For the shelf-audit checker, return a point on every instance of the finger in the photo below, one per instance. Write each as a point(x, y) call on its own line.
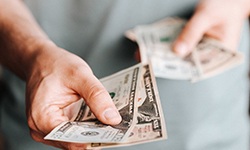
point(137, 55)
point(62, 145)
point(44, 117)
point(97, 98)
point(39, 138)
point(191, 34)
point(49, 110)
point(228, 36)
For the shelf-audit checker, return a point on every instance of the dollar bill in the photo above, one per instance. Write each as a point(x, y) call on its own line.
point(135, 94)
point(150, 125)
point(155, 45)
point(150, 120)
point(211, 58)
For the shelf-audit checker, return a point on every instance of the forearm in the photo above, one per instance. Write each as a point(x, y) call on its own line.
point(21, 38)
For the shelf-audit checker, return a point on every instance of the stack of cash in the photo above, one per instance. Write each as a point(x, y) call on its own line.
point(207, 59)
point(135, 95)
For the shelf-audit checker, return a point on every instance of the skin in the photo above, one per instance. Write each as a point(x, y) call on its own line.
point(219, 19)
point(29, 53)
point(46, 68)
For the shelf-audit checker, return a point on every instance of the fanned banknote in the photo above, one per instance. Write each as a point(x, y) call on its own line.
point(211, 58)
point(155, 45)
point(135, 94)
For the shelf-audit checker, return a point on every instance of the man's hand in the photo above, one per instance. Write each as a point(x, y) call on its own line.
point(219, 19)
point(58, 79)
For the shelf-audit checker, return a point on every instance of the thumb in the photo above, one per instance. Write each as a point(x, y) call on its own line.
point(98, 99)
point(191, 34)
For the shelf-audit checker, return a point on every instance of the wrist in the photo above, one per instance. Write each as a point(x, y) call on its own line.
point(39, 58)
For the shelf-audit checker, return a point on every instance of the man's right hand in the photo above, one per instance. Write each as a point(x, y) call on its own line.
point(57, 80)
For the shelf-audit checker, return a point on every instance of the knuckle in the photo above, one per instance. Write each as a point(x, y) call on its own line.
point(80, 70)
point(31, 123)
point(34, 136)
point(95, 92)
